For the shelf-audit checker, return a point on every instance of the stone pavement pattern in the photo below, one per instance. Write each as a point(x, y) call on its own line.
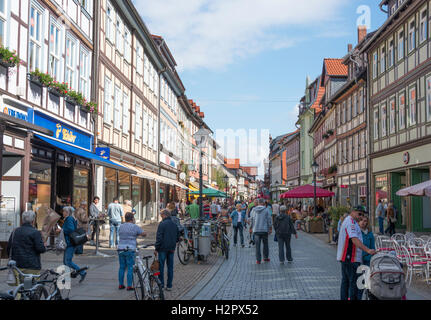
point(314, 274)
point(101, 282)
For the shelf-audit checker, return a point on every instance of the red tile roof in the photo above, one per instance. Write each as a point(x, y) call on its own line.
point(335, 67)
point(317, 103)
point(232, 163)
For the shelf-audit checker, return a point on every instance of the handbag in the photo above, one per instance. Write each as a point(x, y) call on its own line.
point(78, 237)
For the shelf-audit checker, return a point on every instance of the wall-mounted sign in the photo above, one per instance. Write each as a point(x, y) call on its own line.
point(164, 158)
point(105, 153)
point(63, 132)
point(406, 158)
point(15, 113)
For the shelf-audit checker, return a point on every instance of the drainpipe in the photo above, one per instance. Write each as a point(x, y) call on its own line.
point(367, 99)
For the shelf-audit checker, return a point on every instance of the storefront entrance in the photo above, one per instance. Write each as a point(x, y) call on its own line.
point(421, 211)
point(398, 182)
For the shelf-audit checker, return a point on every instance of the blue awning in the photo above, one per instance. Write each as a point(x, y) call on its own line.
point(83, 153)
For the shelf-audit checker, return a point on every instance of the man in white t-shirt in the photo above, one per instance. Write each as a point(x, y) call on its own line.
point(275, 208)
point(349, 253)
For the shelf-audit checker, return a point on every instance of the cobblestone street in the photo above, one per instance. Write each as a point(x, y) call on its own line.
point(313, 275)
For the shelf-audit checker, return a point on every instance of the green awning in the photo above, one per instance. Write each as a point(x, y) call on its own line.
point(211, 193)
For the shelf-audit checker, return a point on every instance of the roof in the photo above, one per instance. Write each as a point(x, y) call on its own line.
point(335, 67)
point(316, 104)
point(232, 163)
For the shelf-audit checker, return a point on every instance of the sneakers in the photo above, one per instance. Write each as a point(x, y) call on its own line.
point(257, 262)
point(82, 277)
point(289, 261)
point(168, 289)
point(130, 288)
point(121, 287)
point(267, 260)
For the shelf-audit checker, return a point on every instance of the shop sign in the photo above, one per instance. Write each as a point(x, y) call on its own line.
point(63, 132)
point(164, 158)
point(104, 153)
point(406, 158)
point(15, 113)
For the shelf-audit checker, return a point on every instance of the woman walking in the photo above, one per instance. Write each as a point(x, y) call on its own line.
point(368, 241)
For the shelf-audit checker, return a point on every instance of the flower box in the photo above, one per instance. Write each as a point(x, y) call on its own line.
point(35, 79)
point(7, 64)
point(55, 91)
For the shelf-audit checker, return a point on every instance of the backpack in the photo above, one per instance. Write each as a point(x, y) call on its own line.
point(387, 279)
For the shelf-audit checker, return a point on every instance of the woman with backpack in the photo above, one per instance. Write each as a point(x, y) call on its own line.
point(70, 225)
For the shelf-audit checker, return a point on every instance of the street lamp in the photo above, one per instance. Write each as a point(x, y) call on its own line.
point(314, 168)
point(201, 137)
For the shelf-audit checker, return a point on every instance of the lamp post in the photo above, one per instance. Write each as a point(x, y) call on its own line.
point(315, 167)
point(201, 137)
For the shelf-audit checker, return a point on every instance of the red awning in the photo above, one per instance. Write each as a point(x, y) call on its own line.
point(306, 191)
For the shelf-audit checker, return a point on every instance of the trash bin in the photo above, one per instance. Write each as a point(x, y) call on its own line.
point(204, 245)
point(206, 229)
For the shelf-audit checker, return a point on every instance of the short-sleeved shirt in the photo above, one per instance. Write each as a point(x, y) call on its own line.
point(347, 251)
point(128, 233)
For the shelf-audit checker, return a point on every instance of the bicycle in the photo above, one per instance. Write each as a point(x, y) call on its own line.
point(222, 239)
point(146, 282)
point(186, 246)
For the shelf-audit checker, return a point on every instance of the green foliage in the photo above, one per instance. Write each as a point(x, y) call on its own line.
point(336, 213)
point(220, 180)
point(60, 87)
point(44, 78)
point(77, 97)
point(9, 56)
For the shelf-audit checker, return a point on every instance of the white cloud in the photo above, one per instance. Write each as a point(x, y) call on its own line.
point(212, 34)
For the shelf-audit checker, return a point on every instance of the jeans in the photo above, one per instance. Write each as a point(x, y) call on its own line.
point(235, 234)
point(284, 241)
point(168, 257)
point(67, 259)
point(114, 226)
point(259, 237)
point(390, 228)
point(381, 219)
point(349, 288)
point(127, 260)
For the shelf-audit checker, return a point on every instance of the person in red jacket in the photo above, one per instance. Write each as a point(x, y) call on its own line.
point(207, 210)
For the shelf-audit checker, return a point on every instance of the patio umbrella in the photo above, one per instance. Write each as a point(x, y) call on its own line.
point(209, 192)
point(421, 189)
point(306, 191)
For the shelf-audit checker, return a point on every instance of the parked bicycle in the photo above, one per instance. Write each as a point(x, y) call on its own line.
point(222, 239)
point(187, 246)
point(145, 281)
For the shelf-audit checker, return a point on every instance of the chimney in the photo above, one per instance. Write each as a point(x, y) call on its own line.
point(349, 48)
point(362, 33)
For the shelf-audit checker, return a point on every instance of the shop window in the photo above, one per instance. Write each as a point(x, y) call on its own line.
point(80, 188)
point(381, 188)
point(110, 185)
point(40, 190)
point(124, 181)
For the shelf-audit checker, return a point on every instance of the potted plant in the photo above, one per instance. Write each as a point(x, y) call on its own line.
point(76, 98)
point(91, 107)
point(8, 59)
point(40, 78)
point(59, 89)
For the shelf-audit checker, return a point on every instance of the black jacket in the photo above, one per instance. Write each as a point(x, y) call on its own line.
point(27, 245)
point(167, 235)
point(283, 225)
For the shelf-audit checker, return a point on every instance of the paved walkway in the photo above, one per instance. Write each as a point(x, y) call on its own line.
point(314, 275)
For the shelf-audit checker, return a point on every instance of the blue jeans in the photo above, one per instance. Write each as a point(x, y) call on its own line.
point(67, 259)
point(127, 260)
point(349, 288)
point(168, 257)
point(241, 234)
point(114, 226)
point(381, 219)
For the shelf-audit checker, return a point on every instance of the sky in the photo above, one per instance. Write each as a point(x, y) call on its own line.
point(245, 62)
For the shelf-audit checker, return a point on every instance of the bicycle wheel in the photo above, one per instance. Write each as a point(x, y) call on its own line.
point(138, 284)
point(225, 249)
point(39, 294)
point(213, 246)
point(156, 289)
point(183, 252)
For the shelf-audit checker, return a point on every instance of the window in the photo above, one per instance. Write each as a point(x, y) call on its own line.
point(109, 21)
point(119, 35)
point(338, 111)
point(401, 45)
point(376, 124)
point(3, 18)
point(117, 108)
point(138, 121)
point(138, 57)
point(54, 51)
point(402, 112)
point(392, 116)
point(344, 112)
point(35, 41)
point(340, 151)
point(383, 60)
point(107, 112)
point(150, 74)
point(126, 122)
point(150, 131)
point(355, 105)
point(83, 118)
point(145, 128)
point(146, 70)
point(70, 62)
point(361, 100)
point(412, 36)
point(86, 4)
point(84, 73)
point(423, 27)
point(127, 45)
point(428, 101)
point(375, 59)
point(391, 56)
point(155, 135)
point(412, 107)
point(349, 109)
point(383, 119)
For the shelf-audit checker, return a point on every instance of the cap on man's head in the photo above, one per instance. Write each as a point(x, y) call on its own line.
point(360, 209)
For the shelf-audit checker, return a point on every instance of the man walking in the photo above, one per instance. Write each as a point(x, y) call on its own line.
point(283, 226)
point(238, 222)
point(166, 240)
point(380, 215)
point(94, 215)
point(349, 253)
point(193, 210)
point(275, 208)
point(115, 214)
point(261, 224)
